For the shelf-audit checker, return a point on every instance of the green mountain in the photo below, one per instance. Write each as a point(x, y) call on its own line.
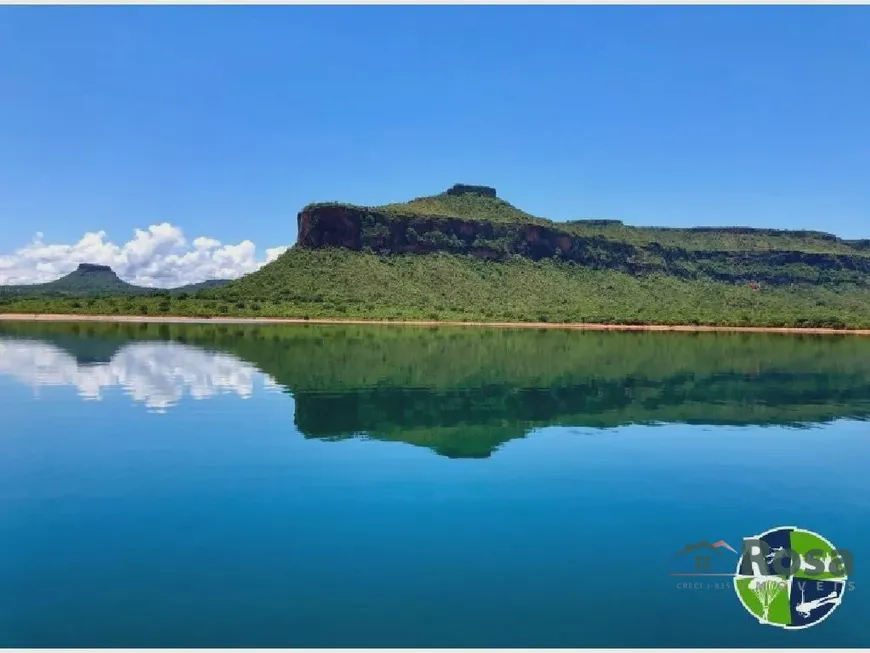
point(202, 285)
point(467, 254)
point(474, 220)
point(463, 201)
point(89, 280)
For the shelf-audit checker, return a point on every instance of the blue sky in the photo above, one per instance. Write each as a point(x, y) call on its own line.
point(225, 121)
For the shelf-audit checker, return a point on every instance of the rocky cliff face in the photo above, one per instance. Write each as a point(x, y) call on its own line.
point(393, 233)
point(357, 228)
point(330, 226)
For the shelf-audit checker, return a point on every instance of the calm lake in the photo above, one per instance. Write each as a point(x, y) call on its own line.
point(210, 485)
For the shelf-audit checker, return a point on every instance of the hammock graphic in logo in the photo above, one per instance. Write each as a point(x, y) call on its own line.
point(791, 578)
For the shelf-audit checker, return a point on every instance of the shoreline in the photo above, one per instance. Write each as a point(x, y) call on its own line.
point(577, 326)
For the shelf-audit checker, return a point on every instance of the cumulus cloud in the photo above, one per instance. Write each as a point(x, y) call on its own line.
point(159, 256)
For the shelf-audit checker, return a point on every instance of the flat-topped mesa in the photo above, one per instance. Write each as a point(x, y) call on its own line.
point(463, 212)
point(93, 267)
point(468, 189)
point(473, 221)
point(596, 222)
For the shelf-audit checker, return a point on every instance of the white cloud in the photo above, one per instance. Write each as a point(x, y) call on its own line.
point(159, 256)
point(274, 252)
point(206, 243)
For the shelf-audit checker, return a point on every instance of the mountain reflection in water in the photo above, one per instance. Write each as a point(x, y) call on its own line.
point(461, 392)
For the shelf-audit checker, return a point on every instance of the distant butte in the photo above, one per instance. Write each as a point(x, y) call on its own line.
point(93, 267)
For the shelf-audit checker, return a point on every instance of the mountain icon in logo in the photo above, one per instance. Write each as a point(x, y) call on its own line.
point(704, 544)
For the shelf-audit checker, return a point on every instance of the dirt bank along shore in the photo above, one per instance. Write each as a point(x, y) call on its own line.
point(49, 317)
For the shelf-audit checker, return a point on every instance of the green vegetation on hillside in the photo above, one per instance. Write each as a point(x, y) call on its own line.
point(468, 206)
point(340, 283)
point(87, 280)
point(733, 239)
point(472, 206)
point(466, 254)
point(90, 280)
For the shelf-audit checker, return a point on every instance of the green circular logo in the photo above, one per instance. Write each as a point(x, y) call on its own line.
point(791, 578)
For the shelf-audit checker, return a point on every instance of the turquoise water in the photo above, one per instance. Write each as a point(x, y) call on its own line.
point(329, 486)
